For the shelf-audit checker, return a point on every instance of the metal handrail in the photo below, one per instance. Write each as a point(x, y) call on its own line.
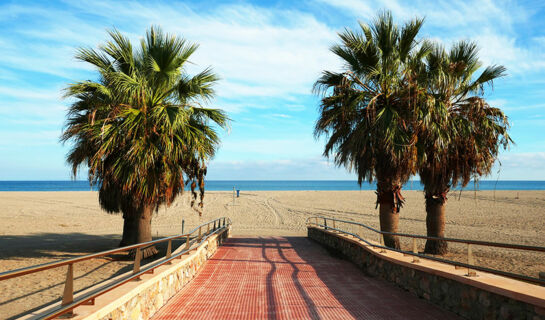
point(470, 265)
point(69, 303)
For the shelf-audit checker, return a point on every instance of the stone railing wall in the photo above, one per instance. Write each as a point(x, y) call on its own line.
point(450, 291)
point(141, 299)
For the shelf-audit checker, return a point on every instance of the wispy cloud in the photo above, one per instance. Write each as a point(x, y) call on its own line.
point(280, 115)
point(520, 166)
point(29, 139)
point(258, 52)
point(281, 169)
point(252, 148)
point(31, 94)
point(495, 27)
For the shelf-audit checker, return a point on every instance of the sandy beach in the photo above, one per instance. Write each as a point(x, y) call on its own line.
point(40, 227)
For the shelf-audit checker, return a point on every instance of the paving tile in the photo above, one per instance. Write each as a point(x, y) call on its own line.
point(289, 278)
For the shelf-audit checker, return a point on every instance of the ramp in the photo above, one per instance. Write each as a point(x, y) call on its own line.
point(290, 278)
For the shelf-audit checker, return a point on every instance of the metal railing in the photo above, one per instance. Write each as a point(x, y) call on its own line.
point(470, 265)
point(195, 236)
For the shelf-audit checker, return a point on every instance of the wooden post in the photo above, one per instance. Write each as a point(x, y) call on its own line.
point(415, 250)
point(187, 243)
point(169, 249)
point(208, 228)
point(137, 257)
point(68, 294)
point(199, 238)
point(470, 261)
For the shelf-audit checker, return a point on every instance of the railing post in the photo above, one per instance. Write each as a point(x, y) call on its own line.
point(325, 223)
point(187, 243)
point(415, 250)
point(470, 261)
point(137, 257)
point(199, 238)
point(334, 225)
point(224, 221)
point(169, 249)
point(208, 229)
point(215, 225)
point(68, 294)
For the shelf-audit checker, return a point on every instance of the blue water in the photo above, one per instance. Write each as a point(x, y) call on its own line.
point(249, 185)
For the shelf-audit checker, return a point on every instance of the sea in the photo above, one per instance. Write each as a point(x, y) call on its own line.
point(273, 185)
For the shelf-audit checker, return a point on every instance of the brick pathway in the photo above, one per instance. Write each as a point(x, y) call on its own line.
point(289, 278)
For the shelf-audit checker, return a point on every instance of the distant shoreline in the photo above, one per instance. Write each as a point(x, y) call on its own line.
point(275, 185)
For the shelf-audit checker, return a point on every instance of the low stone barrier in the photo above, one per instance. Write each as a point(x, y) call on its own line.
point(141, 299)
point(486, 296)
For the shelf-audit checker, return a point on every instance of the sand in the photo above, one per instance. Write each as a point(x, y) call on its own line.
point(39, 227)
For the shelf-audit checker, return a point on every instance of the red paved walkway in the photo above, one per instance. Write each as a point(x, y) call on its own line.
point(289, 278)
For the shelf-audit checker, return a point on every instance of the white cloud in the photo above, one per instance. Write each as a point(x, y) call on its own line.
point(444, 13)
point(28, 139)
point(33, 94)
point(520, 166)
point(39, 107)
point(510, 107)
point(282, 169)
point(361, 9)
point(514, 166)
point(296, 107)
point(532, 160)
point(303, 146)
point(280, 115)
point(257, 52)
point(490, 23)
point(498, 103)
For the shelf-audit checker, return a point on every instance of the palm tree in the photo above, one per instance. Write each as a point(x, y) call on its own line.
point(368, 111)
point(462, 133)
point(142, 128)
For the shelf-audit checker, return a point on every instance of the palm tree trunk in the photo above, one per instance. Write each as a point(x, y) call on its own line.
point(137, 228)
point(129, 236)
point(389, 221)
point(390, 200)
point(435, 223)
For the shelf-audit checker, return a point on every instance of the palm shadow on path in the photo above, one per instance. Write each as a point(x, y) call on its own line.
point(327, 285)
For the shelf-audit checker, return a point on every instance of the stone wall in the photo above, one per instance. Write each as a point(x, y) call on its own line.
point(148, 297)
point(465, 300)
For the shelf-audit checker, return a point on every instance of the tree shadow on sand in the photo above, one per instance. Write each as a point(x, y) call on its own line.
point(53, 247)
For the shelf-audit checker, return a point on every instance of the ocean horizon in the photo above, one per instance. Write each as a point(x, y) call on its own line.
point(273, 185)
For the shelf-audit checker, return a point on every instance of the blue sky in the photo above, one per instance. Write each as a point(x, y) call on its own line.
point(268, 55)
